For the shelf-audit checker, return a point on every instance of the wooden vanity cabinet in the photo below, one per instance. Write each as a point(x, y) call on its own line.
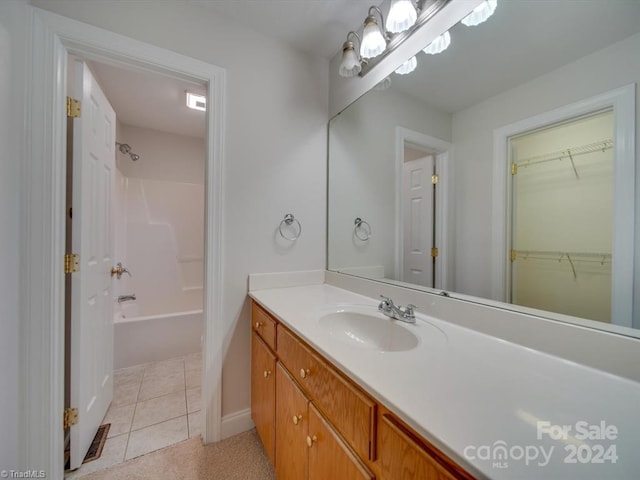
point(323, 425)
point(264, 325)
point(350, 411)
point(291, 428)
point(405, 455)
point(263, 393)
point(307, 446)
point(329, 457)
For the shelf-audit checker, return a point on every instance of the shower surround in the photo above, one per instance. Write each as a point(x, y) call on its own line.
point(159, 230)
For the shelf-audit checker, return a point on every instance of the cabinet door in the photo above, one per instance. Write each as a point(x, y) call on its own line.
point(263, 393)
point(291, 428)
point(401, 458)
point(350, 411)
point(329, 457)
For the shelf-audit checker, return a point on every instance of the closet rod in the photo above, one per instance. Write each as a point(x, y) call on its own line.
point(592, 257)
point(600, 146)
point(587, 257)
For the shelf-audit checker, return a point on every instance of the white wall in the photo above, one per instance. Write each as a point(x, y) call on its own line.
point(163, 156)
point(362, 174)
point(12, 71)
point(602, 71)
point(275, 148)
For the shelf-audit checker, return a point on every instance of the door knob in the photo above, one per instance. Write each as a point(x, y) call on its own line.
point(119, 270)
point(297, 419)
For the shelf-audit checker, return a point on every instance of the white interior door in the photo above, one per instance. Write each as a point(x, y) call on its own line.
point(92, 238)
point(417, 198)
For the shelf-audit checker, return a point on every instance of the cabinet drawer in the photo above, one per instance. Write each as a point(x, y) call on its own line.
point(264, 325)
point(350, 411)
point(403, 458)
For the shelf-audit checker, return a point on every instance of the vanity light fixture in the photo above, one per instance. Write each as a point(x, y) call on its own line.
point(440, 44)
point(481, 13)
point(407, 67)
point(350, 66)
point(402, 15)
point(404, 18)
point(373, 41)
point(196, 102)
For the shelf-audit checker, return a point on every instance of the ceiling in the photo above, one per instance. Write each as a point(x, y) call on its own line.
point(154, 101)
point(150, 100)
point(524, 39)
point(316, 27)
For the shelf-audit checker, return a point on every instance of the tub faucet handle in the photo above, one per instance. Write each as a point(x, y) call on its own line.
point(119, 270)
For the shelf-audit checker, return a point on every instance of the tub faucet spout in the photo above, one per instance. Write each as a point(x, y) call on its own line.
point(126, 298)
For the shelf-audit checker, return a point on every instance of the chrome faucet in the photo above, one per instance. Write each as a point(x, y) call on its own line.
point(397, 312)
point(126, 298)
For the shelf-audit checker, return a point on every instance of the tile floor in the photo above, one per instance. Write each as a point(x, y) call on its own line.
point(154, 405)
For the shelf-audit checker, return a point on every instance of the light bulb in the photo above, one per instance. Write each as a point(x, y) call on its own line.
point(407, 67)
point(440, 44)
point(373, 43)
point(350, 65)
point(481, 13)
point(402, 15)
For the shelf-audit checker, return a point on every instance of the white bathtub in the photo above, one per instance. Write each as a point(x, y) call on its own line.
point(143, 339)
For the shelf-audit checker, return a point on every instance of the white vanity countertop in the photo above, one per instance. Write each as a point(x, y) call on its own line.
point(479, 398)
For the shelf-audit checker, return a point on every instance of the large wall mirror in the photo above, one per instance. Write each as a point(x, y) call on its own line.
point(504, 168)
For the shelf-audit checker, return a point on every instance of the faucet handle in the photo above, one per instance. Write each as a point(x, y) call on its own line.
point(385, 304)
point(408, 310)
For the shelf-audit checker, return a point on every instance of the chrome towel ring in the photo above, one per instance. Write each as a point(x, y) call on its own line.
point(362, 229)
point(289, 220)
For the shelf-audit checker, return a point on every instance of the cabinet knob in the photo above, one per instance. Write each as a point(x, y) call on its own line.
point(297, 419)
point(311, 440)
point(267, 373)
point(258, 324)
point(304, 372)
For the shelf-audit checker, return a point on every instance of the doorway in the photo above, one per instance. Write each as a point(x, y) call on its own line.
point(153, 195)
point(562, 217)
point(53, 38)
point(621, 104)
point(423, 205)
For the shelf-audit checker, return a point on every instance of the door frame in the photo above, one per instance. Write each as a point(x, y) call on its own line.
point(52, 38)
point(622, 101)
point(444, 202)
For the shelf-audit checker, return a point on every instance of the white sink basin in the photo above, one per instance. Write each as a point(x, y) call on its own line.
point(369, 330)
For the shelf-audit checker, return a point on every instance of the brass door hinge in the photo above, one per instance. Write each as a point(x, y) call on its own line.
point(434, 178)
point(73, 108)
point(514, 169)
point(434, 252)
point(513, 255)
point(69, 417)
point(71, 262)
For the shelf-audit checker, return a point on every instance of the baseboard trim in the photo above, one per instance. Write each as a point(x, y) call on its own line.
point(235, 423)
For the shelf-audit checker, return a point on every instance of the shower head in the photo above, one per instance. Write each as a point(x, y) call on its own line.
point(126, 148)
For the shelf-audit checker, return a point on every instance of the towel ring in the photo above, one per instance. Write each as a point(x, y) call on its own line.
point(362, 229)
point(289, 219)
